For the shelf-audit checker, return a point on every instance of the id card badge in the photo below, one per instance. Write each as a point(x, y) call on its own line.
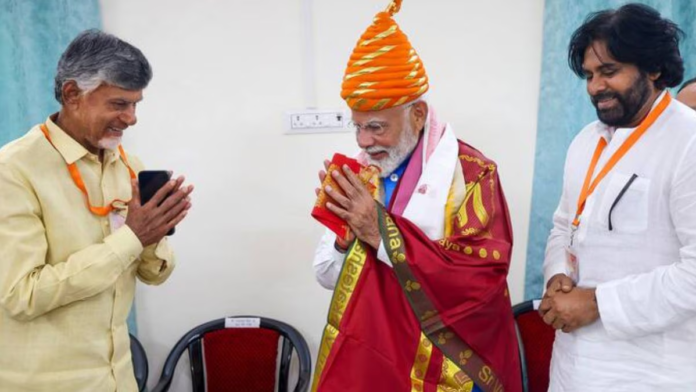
point(116, 220)
point(117, 216)
point(572, 264)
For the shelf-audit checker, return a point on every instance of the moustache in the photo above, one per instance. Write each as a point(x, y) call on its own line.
point(375, 150)
point(602, 96)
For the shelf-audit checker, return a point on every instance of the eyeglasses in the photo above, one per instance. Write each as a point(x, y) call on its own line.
point(374, 128)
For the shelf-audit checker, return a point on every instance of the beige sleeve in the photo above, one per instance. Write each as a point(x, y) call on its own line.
point(29, 286)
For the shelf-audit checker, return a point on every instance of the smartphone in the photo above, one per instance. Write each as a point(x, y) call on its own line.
point(150, 181)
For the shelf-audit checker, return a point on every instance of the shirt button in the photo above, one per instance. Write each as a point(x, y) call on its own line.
point(132, 258)
point(394, 177)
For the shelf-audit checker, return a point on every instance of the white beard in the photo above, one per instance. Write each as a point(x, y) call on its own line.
point(109, 143)
point(397, 154)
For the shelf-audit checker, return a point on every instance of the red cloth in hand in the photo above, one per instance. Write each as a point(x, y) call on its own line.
point(323, 214)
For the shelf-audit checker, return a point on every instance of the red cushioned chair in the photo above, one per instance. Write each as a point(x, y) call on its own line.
point(240, 354)
point(535, 340)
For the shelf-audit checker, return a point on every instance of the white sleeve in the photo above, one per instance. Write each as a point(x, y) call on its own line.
point(382, 254)
point(555, 258)
point(653, 302)
point(328, 261)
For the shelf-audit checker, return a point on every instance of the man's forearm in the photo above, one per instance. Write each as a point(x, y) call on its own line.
point(31, 288)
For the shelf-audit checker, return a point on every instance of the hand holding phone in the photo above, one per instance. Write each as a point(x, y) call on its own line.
point(157, 206)
point(150, 181)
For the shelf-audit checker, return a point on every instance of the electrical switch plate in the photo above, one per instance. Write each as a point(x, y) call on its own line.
point(315, 121)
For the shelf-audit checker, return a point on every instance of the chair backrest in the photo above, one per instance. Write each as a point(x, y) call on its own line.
point(140, 365)
point(240, 354)
point(241, 359)
point(535, 340)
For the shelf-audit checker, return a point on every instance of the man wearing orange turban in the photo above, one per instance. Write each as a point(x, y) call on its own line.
point(421, 301)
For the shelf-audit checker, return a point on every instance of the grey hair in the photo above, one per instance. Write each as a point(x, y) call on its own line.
point(95, 57)
point(423, 98)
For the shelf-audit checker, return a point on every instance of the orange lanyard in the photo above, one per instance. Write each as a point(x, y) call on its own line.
point(77, 178)
point(589, 186)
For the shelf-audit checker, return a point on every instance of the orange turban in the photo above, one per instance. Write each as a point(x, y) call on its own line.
point(384, 70)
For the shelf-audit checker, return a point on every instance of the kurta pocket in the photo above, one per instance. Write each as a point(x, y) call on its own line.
point(625, 204)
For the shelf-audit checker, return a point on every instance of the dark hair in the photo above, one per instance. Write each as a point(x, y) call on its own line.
point(688, 82)
point(634, 34)
point(95, 57)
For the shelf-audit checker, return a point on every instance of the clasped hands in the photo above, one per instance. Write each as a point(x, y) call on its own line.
point(357, 207)
point(567, 307)
point(151, 221)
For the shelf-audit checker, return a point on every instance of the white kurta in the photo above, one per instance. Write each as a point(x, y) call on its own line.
point(644, 269)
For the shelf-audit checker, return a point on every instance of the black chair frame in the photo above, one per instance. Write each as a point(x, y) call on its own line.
point(192, 342)
point(141, 369)
point(517, 310)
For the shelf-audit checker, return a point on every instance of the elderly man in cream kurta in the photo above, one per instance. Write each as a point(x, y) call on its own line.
point(73, 234)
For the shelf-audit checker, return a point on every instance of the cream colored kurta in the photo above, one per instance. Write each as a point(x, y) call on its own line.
point(67, 279)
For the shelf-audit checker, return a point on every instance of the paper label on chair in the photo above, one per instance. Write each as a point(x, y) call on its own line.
point(242, 322)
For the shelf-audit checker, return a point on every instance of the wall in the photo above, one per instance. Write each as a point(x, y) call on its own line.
point(226, 71)
point(30, 46)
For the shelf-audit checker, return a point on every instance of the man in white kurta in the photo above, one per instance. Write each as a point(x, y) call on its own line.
point(629, 324)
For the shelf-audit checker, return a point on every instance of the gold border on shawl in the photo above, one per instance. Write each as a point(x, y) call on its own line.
point(455, 199)
point(350, 273)
point(474, 190)
point(421, 363)
point(479, 208)
point(327, 341)
point(451, 346)
point(425, 347)
point(452, 379)
point(345, 286)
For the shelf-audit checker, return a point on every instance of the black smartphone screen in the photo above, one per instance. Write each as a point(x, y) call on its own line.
point(150, 181)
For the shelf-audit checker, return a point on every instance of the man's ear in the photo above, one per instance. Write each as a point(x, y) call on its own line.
point(419, 113)
point(70, 93)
